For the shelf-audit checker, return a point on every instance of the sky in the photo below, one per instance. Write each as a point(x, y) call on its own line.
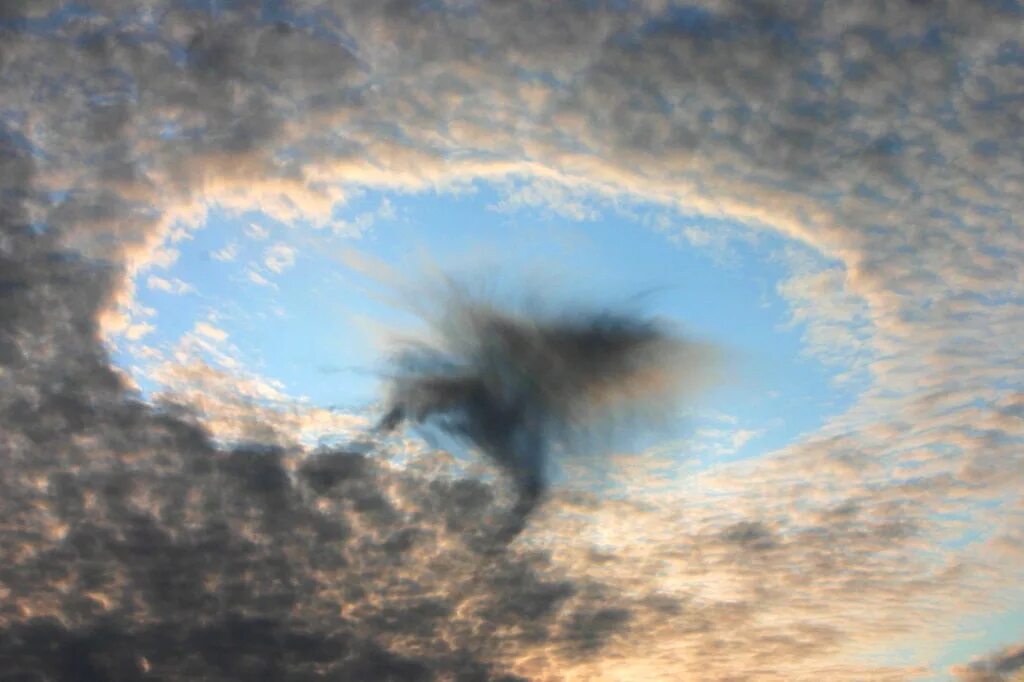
point(222, 222)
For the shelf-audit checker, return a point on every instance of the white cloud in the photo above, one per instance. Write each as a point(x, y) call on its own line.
point(134, 332)
point(722, 442)
point(386, 210)
point(170, 285)
point(254, 276)
point(163, 257)
point(226, 254)
point(544, 195)
point(211, 332)
point(257, 232)
point(279, 258)
point(364, 222)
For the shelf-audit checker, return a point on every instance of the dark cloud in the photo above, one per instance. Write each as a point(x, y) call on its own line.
point(153, 553)
point(135, 547)
point(235, 648)
point(751, 535)
point(999, 666)
point(589, 629)
point(518, 386)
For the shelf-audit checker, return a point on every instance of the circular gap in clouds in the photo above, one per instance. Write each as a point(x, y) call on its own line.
point(298, 309)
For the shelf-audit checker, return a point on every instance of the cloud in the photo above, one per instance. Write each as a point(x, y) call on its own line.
point(134, 332)
point(236, 405)
point(210, 331)
point(278, 258)
point(884, 139)
point(226, 254)
point(200, 568)
point(999, 666)
point(719, 442)
point(362, 223)
point(518, 386)
point(142, 548)
point(170, 286)
point(257, 232)
point(255, 277)
point(567, 202)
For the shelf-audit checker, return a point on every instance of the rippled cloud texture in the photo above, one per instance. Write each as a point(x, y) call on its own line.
point(886, 136)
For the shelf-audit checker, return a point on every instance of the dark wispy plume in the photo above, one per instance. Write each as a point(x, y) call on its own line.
point(520, 385)
point(1003, 665)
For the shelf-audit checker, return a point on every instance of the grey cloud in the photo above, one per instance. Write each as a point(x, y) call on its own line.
point(135, 547)
point(589, 629)
point(326, 470)
point(518, 386)
point(752, 535)
point(235, 648)
point(998, 666)
point(163, 555)
point(890, 129)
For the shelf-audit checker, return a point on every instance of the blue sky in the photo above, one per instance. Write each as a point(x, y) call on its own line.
point(307, 326)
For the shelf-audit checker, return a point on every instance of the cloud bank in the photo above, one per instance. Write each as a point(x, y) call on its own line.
point(884, 137)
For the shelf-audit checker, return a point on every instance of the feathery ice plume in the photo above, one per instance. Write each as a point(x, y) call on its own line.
point(519, 386)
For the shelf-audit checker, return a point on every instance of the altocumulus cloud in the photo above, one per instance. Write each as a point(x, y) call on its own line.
point(884, 136)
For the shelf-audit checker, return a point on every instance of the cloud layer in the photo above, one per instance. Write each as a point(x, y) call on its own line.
point(883, 137)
